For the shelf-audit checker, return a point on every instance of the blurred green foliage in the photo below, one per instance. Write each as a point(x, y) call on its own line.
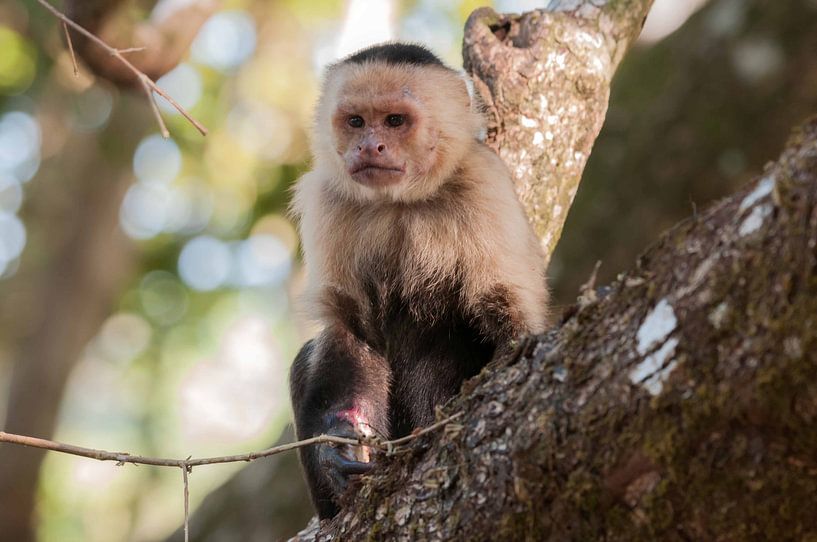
point(192, 357)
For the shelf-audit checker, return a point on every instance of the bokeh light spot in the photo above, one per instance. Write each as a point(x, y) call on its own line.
point(183, 83)
point(204, 263)
point(12, 237)
point(163, 297)
point(225, 41)
point(262, 260)
point(145, 209)
point(17, 62)
point(157, 159)
point(92, 109)
point(261, 130)
point(123, 337)
point(19, 145)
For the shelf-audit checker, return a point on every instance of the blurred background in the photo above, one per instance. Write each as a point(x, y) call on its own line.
point(148, 285)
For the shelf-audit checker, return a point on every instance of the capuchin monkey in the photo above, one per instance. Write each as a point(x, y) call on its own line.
point(420, 261)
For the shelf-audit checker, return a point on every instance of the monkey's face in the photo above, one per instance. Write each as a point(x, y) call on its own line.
point(395, 132)
point(380, 138)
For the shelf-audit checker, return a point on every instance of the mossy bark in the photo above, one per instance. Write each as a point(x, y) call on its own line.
point(679, 403)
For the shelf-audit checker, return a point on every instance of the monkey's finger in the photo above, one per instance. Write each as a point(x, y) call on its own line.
point(349, 467)
point(336, 458)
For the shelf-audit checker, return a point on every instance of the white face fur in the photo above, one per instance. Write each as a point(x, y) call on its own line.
point(397, 132)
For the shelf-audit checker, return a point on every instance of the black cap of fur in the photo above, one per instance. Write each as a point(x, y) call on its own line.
point(396, 53)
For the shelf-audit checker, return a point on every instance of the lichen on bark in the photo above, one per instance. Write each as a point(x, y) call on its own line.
point(545, 79)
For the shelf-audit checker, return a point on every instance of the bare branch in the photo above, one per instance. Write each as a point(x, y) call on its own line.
point(154, 107)
point(433, 427)
point(71, 49)
point(185, 474)
point(125, 457)
point(132, 50)
point(113, 51)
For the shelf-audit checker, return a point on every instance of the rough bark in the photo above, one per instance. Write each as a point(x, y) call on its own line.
point(545, 79)
point(676, 404)
point(691, 119)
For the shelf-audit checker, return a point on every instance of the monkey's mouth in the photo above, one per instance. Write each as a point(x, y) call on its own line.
point(371, 174)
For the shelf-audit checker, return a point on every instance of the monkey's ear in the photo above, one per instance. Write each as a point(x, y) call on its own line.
point(469, 87)
point(475, 104)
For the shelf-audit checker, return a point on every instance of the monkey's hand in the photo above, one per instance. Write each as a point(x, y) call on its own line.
point(340, 461)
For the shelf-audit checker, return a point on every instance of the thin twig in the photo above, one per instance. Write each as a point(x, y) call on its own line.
point(185, 473)
point(131, 50)
point(71, 49)
point(118, 54)
point(421, 432)
point(155, 107)
point(125, 457)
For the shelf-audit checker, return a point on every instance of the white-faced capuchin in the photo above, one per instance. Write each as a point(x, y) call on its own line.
point(419, 258)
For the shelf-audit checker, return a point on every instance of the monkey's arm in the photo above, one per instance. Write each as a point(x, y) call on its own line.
point(339, 386)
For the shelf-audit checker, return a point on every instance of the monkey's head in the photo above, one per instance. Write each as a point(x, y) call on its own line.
point(393, 122)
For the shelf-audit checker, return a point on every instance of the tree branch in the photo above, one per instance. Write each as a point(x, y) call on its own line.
point(164, 39)
point(679, 404)
point(121, 458)
point(390, 447)
point(148, 85)
point(545, 79)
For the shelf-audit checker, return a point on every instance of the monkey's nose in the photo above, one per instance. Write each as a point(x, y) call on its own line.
point(371, 149)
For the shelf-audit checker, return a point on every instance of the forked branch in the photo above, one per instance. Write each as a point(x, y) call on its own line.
point(147, 83)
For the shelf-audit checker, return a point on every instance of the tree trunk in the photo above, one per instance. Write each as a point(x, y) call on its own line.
point(676, 404)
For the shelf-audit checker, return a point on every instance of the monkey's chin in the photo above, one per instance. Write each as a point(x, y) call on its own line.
point(378, 177)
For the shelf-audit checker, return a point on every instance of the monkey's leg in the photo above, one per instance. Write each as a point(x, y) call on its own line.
point(434, 362)
point(339, 386)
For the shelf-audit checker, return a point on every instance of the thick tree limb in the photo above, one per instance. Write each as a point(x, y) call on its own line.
point(545, 79)
point(678, 404)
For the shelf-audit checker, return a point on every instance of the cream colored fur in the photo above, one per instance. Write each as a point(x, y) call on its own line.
point(461, 220)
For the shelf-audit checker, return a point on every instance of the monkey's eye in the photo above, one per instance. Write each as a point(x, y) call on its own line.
point(355, 121)
point(395, 120)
